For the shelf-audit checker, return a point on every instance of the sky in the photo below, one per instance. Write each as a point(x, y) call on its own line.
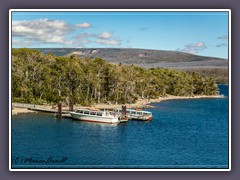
point(200, 33)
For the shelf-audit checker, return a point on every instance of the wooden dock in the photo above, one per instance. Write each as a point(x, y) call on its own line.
point(65, 114)
point(47, 110)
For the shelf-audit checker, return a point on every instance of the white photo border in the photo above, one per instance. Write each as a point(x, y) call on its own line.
point(120, 10)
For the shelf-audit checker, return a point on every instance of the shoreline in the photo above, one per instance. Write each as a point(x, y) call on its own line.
point(142, 103)
point(146, 103)
point(17, 111)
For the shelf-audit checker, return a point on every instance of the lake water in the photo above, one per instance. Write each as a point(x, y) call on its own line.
point(189, 133)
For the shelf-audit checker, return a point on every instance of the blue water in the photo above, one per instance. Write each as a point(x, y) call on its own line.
point(189, 133)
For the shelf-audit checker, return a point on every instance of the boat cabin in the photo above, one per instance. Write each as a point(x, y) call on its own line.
point(91, 112)
point(136, 114)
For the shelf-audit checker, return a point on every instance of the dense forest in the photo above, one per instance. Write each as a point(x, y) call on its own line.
point(45, 78)
point(219, 74)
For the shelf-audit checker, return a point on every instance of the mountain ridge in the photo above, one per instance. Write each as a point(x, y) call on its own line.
point(142, 57)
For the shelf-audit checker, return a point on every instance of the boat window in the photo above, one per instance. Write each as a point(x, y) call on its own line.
point(147, 113)
point(92, 113)
point(99, 113)
point(128, 111)
point(139, 113)
point(86, 112)
point(79, 111)
point(133, 112)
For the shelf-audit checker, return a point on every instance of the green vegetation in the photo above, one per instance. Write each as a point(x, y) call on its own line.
point(45, 78)
point(220, 74)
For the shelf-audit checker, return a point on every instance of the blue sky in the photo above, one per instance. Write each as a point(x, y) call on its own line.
point(201, 33)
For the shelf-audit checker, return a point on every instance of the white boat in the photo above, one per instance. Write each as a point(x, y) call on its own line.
point(95, 115)
point(136, 114)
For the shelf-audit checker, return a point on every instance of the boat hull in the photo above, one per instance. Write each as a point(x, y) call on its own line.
point(140, 118)
point(89, 118)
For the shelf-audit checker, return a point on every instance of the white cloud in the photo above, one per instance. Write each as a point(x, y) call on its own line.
point(108, 41)
point(45, 31)
point(69, 42)
point(193, 48)
point(83, 25)
point(83, 39)
point(104, 38)
point(105, 35)
point(198, 44)
point(222, 45)
point(42, 30)
point(20, 42)
point(223, 37)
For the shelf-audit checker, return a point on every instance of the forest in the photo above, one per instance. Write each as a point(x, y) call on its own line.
point(45, 78)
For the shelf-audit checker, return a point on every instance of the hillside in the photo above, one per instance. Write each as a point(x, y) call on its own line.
point(143, 57)
point(40, 78)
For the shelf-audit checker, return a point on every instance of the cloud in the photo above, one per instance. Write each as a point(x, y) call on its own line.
point(83, 25)
point(193, 48)
point(222, 45)
point(108, 41)
point(144, 28)
point(84, 38)
point(42, 30)
point(105, 35)
point(20, 42)
point(45, 31)
point(223, 37)
point(104, 38)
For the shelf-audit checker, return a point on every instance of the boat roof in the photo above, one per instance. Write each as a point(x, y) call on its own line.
point(89, 109)
point(137, 110)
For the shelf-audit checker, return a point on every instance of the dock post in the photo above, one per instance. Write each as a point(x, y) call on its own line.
point(71, 106)
point(59, 110)
point(124, 112)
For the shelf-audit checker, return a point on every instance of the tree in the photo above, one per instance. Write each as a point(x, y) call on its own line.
point(38, 78)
